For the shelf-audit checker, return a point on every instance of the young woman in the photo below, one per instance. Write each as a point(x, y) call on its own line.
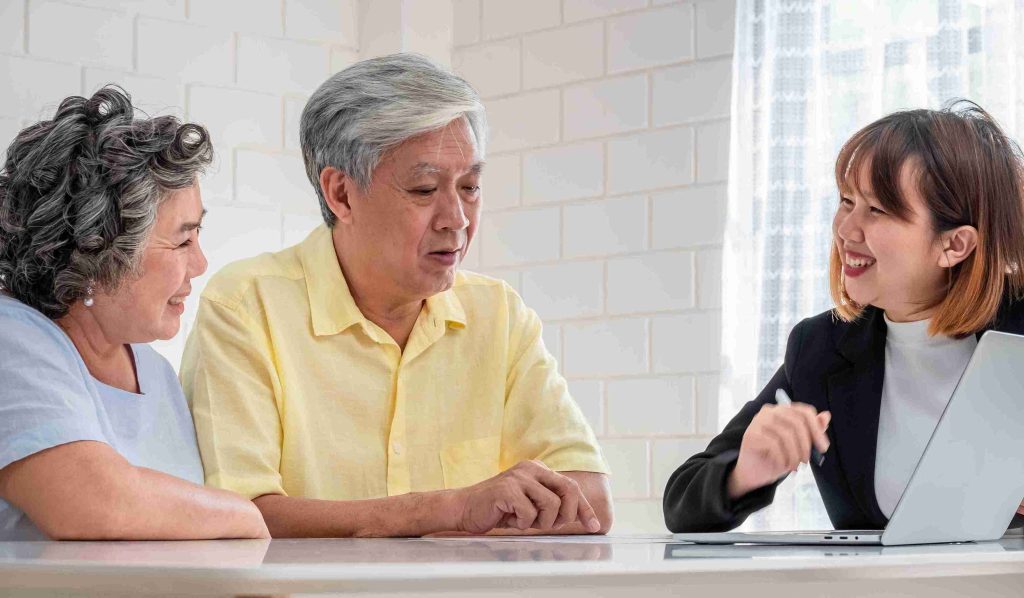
point(927, 255)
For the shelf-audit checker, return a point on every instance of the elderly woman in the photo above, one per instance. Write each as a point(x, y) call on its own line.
point(99, 231)
point(358, 384)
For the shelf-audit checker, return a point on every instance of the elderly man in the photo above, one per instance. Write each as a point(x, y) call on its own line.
point(358, 384)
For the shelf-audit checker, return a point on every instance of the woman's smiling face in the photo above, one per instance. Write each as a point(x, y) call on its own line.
point(150, 307)
point(893, 263)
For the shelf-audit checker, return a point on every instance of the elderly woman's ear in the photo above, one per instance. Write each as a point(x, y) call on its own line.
point(335, 186)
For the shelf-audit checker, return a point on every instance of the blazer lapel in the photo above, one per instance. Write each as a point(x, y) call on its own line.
point(855, 398)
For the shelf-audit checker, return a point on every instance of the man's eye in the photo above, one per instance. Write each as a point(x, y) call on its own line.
point(189, 240)
point(424, 191)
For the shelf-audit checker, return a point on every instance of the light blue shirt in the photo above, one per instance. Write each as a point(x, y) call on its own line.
point(48, 398)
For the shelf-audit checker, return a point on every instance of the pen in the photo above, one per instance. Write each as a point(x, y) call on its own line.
point(781, 398)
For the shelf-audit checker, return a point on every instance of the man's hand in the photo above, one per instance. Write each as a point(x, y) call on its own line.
point(529, 495)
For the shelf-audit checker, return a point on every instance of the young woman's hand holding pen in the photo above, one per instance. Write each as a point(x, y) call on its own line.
point(777, 441)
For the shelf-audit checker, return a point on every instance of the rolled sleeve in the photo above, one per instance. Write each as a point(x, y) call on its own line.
point(229, 378)
point(542, 421)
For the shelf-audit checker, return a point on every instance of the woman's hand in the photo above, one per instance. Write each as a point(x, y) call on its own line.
point(776, 442)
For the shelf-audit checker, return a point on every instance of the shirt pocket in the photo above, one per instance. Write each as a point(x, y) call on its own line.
point(469, 462)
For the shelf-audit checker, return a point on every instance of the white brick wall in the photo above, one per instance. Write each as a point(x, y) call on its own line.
point(563, 172)
point(605, 106)
point(604, 189)
point(604, 204)
point(546, 60)
point(651, 38)
point(243, 68)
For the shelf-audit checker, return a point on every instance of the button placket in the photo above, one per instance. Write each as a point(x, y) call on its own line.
point(398, 462)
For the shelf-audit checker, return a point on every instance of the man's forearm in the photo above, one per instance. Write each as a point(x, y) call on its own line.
point(408, 515)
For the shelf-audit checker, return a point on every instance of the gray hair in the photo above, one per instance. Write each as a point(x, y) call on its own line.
point(79, 196)
point(360, 113)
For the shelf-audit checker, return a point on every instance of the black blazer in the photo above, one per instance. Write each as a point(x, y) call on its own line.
point(835, 366)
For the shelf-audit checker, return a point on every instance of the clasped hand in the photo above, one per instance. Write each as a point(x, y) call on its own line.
point(527, 496)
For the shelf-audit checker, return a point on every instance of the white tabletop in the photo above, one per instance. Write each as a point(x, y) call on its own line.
point(568, 566)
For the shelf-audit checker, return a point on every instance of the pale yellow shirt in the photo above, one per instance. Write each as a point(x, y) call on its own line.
point(295, 392)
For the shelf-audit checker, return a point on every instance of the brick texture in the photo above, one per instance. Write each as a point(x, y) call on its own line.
point(604, 191)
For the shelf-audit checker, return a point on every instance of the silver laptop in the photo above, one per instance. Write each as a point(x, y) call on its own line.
point(970, 479)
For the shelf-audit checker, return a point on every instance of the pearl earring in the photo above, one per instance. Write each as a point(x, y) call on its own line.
point(88, 301)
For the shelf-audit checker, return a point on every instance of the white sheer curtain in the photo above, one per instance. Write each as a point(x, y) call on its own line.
point(807, 74)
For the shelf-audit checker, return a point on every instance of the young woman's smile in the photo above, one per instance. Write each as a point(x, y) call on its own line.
point(855, 264)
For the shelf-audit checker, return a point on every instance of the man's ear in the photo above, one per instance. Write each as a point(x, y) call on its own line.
point(336, 187)
point(957, 245)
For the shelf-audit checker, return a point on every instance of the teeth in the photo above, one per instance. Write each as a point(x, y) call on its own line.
point(176, 300)
point(855, 262)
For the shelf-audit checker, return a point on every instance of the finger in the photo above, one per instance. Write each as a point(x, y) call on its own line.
point(801, 431)
point(805, 425)
point(779, 429)
point(546, 502)
point(821, 439)
point(764, 413)
point(552, 480)
point(775, 461)
point(525, 512)
point(785, 447)
point(569, 504)
point(587, 516)
point(816, 424)
point(769, 450)
point(566, 489)
point(811, 427)
point(578, 507)
point(507, 521)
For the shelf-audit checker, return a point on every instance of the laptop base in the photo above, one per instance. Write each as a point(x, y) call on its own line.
point(841, 537)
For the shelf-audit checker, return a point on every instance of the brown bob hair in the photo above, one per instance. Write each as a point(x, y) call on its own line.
point(969, 173)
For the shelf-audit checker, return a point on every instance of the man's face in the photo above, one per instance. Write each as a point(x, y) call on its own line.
point(416, 220)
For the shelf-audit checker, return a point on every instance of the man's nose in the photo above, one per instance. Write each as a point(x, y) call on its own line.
point(198, 262)
point(452, 212)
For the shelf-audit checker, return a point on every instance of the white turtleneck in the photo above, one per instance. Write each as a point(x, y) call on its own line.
point(921, 373)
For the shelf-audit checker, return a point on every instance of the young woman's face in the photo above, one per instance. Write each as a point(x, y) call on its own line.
point(896, 265)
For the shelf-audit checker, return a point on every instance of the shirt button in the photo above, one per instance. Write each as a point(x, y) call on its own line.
point(396, 448)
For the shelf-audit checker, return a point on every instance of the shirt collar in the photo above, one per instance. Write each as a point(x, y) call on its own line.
point(330, 302)
point(331, 306)
point(446, 307)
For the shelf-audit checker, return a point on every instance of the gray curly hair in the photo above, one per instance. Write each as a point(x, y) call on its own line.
point(79, 196)
point(361, 112)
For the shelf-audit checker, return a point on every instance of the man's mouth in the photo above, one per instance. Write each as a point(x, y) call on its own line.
point(444, 251)
point(447, 257)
